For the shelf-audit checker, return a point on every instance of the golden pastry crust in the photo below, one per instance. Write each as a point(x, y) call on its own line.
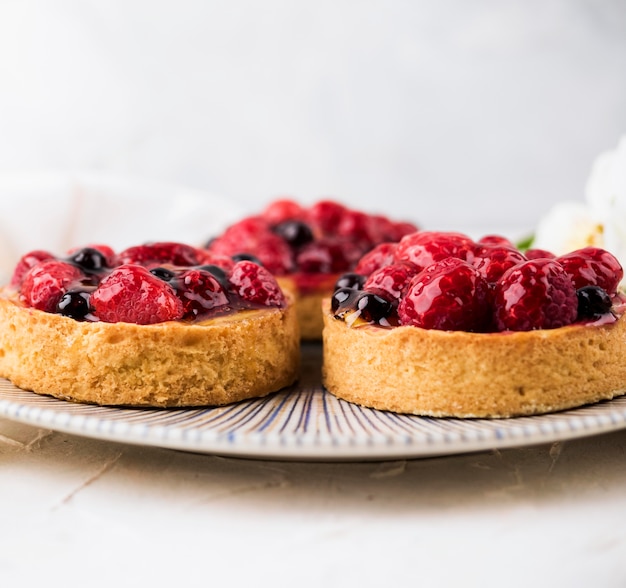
point(309, 305)
point(460, 374)
point(172, 364)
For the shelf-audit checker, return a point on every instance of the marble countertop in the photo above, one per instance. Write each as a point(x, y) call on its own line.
point(78, 511)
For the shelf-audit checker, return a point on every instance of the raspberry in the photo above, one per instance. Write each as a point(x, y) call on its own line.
point(211, 258)
point(46, 283)
point(327, 215)
point(497, 240)
point(283, 210)
point(161, 253)
point(492, 262)
point(592, 266)
point(327, 256)
point(200, 292)
point(539, 254)
point(254, 236)
point(380, 256)
point(427, 247)
point(398, 230)
point(358, 226)
point(255, 284)
point(27, 262)
point(131, 294)
point(449, 295)
point(392, 281)
point(536, 294)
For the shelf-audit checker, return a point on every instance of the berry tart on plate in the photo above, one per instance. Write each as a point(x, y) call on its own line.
point(161, 324)
point(440, 325)
point(308, 248)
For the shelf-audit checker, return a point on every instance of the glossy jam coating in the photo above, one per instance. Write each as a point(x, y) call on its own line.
point(146, 284)
point(446, 281)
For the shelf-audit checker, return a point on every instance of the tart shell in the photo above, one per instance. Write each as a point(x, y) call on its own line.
point(172, 364)
point(459, 374)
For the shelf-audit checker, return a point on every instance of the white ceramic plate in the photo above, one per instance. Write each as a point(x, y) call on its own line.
point(305, 423)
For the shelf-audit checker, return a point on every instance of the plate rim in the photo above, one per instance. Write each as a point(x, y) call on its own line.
point(472, 435)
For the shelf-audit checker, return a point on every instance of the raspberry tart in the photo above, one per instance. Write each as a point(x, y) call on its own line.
point(440, 325)
point(160, 325)
point(308, 248)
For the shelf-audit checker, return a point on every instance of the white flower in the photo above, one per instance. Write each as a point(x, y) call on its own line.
point(568, 226)
point(606, 198)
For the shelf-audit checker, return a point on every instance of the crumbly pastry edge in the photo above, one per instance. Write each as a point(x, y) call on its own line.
point(466, 375)
point(173, 364)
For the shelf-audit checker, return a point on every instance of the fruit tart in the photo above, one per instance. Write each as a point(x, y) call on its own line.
point(440, 325)
point(307, 248)
point(160, 325)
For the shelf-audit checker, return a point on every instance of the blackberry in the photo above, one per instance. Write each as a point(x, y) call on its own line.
point(593, 302)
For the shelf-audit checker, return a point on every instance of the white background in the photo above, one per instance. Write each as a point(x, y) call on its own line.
point(447, 112)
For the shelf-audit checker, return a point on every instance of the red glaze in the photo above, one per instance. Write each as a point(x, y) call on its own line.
point(592, 266)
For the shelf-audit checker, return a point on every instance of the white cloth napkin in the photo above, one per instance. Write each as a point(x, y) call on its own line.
point(57, 211)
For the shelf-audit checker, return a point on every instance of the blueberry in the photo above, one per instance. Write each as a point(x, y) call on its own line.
point(350, 280)
point(163, 273)
point(74, 304)
point(373, 308)
point(218, 273)
point(342, 299)
point(89, 259)
point(246, 257)
point(295, 232)
point(593, 302)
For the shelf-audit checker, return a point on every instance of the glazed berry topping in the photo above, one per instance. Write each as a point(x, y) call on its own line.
point(327, 256)
point(448, 295)
point(295, 233)
point(45, 284)
point(200, 292)
point(135, 293)
point(592, 266)
point(425, 248)
point(350, 280)
point(89, 259)
point(25, 263)
point(382, 255)
point(308, 243)
point(74, 304)
point(283, 210)
point(161, 253)
point(496, 240)
point(593, 302)
point(391, 282)
point(131, 294)
point(255, 284)
point(536, 294)
point(485, 286)
point(492, 262)
point(539, 254)
point(327, 215)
